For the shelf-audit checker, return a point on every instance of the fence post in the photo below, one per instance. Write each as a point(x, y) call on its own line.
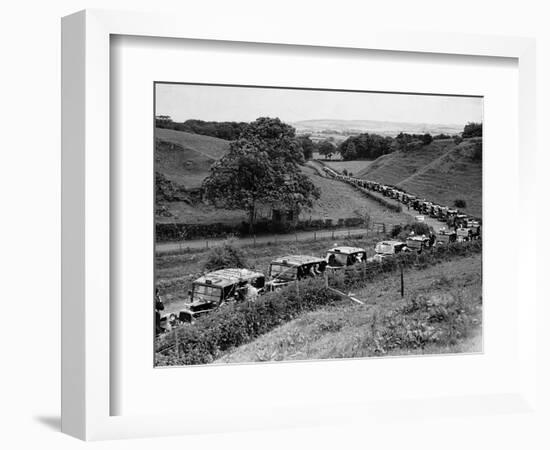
point(333, 235)
point(207, 243)
point(326, 278)
point(296, 236)
point(177, 342)
point(402, 284)
point(315, 235)
point(254, 240)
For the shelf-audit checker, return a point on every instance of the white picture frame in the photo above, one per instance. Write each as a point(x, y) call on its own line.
point(86, 283)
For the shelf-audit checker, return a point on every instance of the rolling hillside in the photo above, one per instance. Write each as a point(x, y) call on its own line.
point(441, 172)
point(185, 157)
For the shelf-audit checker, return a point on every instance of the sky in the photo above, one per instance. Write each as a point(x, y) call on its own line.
point(229, 103)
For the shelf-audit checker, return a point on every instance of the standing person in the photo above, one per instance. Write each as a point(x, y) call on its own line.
point(251, 293)
point(159, 306)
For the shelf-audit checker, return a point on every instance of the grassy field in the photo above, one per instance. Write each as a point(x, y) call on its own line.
point(355, 167)
point(442, 172)
point(185, 157)
point(440, 313)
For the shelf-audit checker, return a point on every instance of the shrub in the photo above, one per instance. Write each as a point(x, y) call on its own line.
point(459, 203)
point(472, 129)
point(225, 256)
point(403, 231)
point(426, 139)
point(477, 154)
point(235, 324)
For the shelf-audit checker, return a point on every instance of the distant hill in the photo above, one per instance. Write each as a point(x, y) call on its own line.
point(186, 157)
point(348, 127)
point(441, 172)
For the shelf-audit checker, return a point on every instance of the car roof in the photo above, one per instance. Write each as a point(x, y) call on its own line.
point(297, 260)
point(417, 238)
point(346, 250)
point(226, 277)
point(391, 243)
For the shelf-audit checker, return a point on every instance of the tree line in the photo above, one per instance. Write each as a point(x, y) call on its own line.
point(372, 146)
point(221, 130)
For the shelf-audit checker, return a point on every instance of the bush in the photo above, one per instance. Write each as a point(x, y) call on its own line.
point(401, 232)
point(225, 256)
point(477, 154)
point(378, 198)
point(459, 203)
point(235, 324)
point(472, 129)
point(356, 275)
point(427, 139)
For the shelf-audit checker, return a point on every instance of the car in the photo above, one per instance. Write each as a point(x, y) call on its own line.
point(213, 289)
point(418, 243)
point(426, 207)
point(476, 228)
point(419, 219)
point(460, 220)
point(386, 249)
point(287, 269)
point(445, 236)
point(343, 256)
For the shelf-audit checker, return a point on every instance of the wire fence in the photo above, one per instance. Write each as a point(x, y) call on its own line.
point(273, 239)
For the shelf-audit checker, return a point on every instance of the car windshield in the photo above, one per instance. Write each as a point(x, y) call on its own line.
point(204, 293)
point(283, 272)
point(337, 259)
point(384, 248)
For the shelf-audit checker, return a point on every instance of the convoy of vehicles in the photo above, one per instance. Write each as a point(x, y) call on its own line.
point(445, 236)
point(287, 269)
point(386, 249)
point(418, 243)
point(213, 289)
point(340, 257)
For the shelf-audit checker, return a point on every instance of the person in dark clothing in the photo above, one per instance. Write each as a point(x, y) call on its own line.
point(159, 306)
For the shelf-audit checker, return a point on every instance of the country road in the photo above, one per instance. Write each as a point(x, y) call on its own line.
point(166, 247)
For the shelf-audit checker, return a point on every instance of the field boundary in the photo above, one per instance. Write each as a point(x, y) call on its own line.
point(189, 246)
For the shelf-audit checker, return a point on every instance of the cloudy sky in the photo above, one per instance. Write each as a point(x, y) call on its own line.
point(226, 103)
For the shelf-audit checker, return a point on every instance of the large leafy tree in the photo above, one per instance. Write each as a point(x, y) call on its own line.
point(327, 149)
point(261, 167)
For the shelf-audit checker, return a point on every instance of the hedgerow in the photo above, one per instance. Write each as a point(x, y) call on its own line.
point(234, 324)
point(386, 203)
point(358, 274)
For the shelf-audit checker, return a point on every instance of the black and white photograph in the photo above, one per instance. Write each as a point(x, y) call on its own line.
point(300, 224)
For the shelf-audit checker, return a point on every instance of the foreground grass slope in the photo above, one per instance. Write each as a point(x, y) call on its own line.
point(441, 313)
point(442, 172)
